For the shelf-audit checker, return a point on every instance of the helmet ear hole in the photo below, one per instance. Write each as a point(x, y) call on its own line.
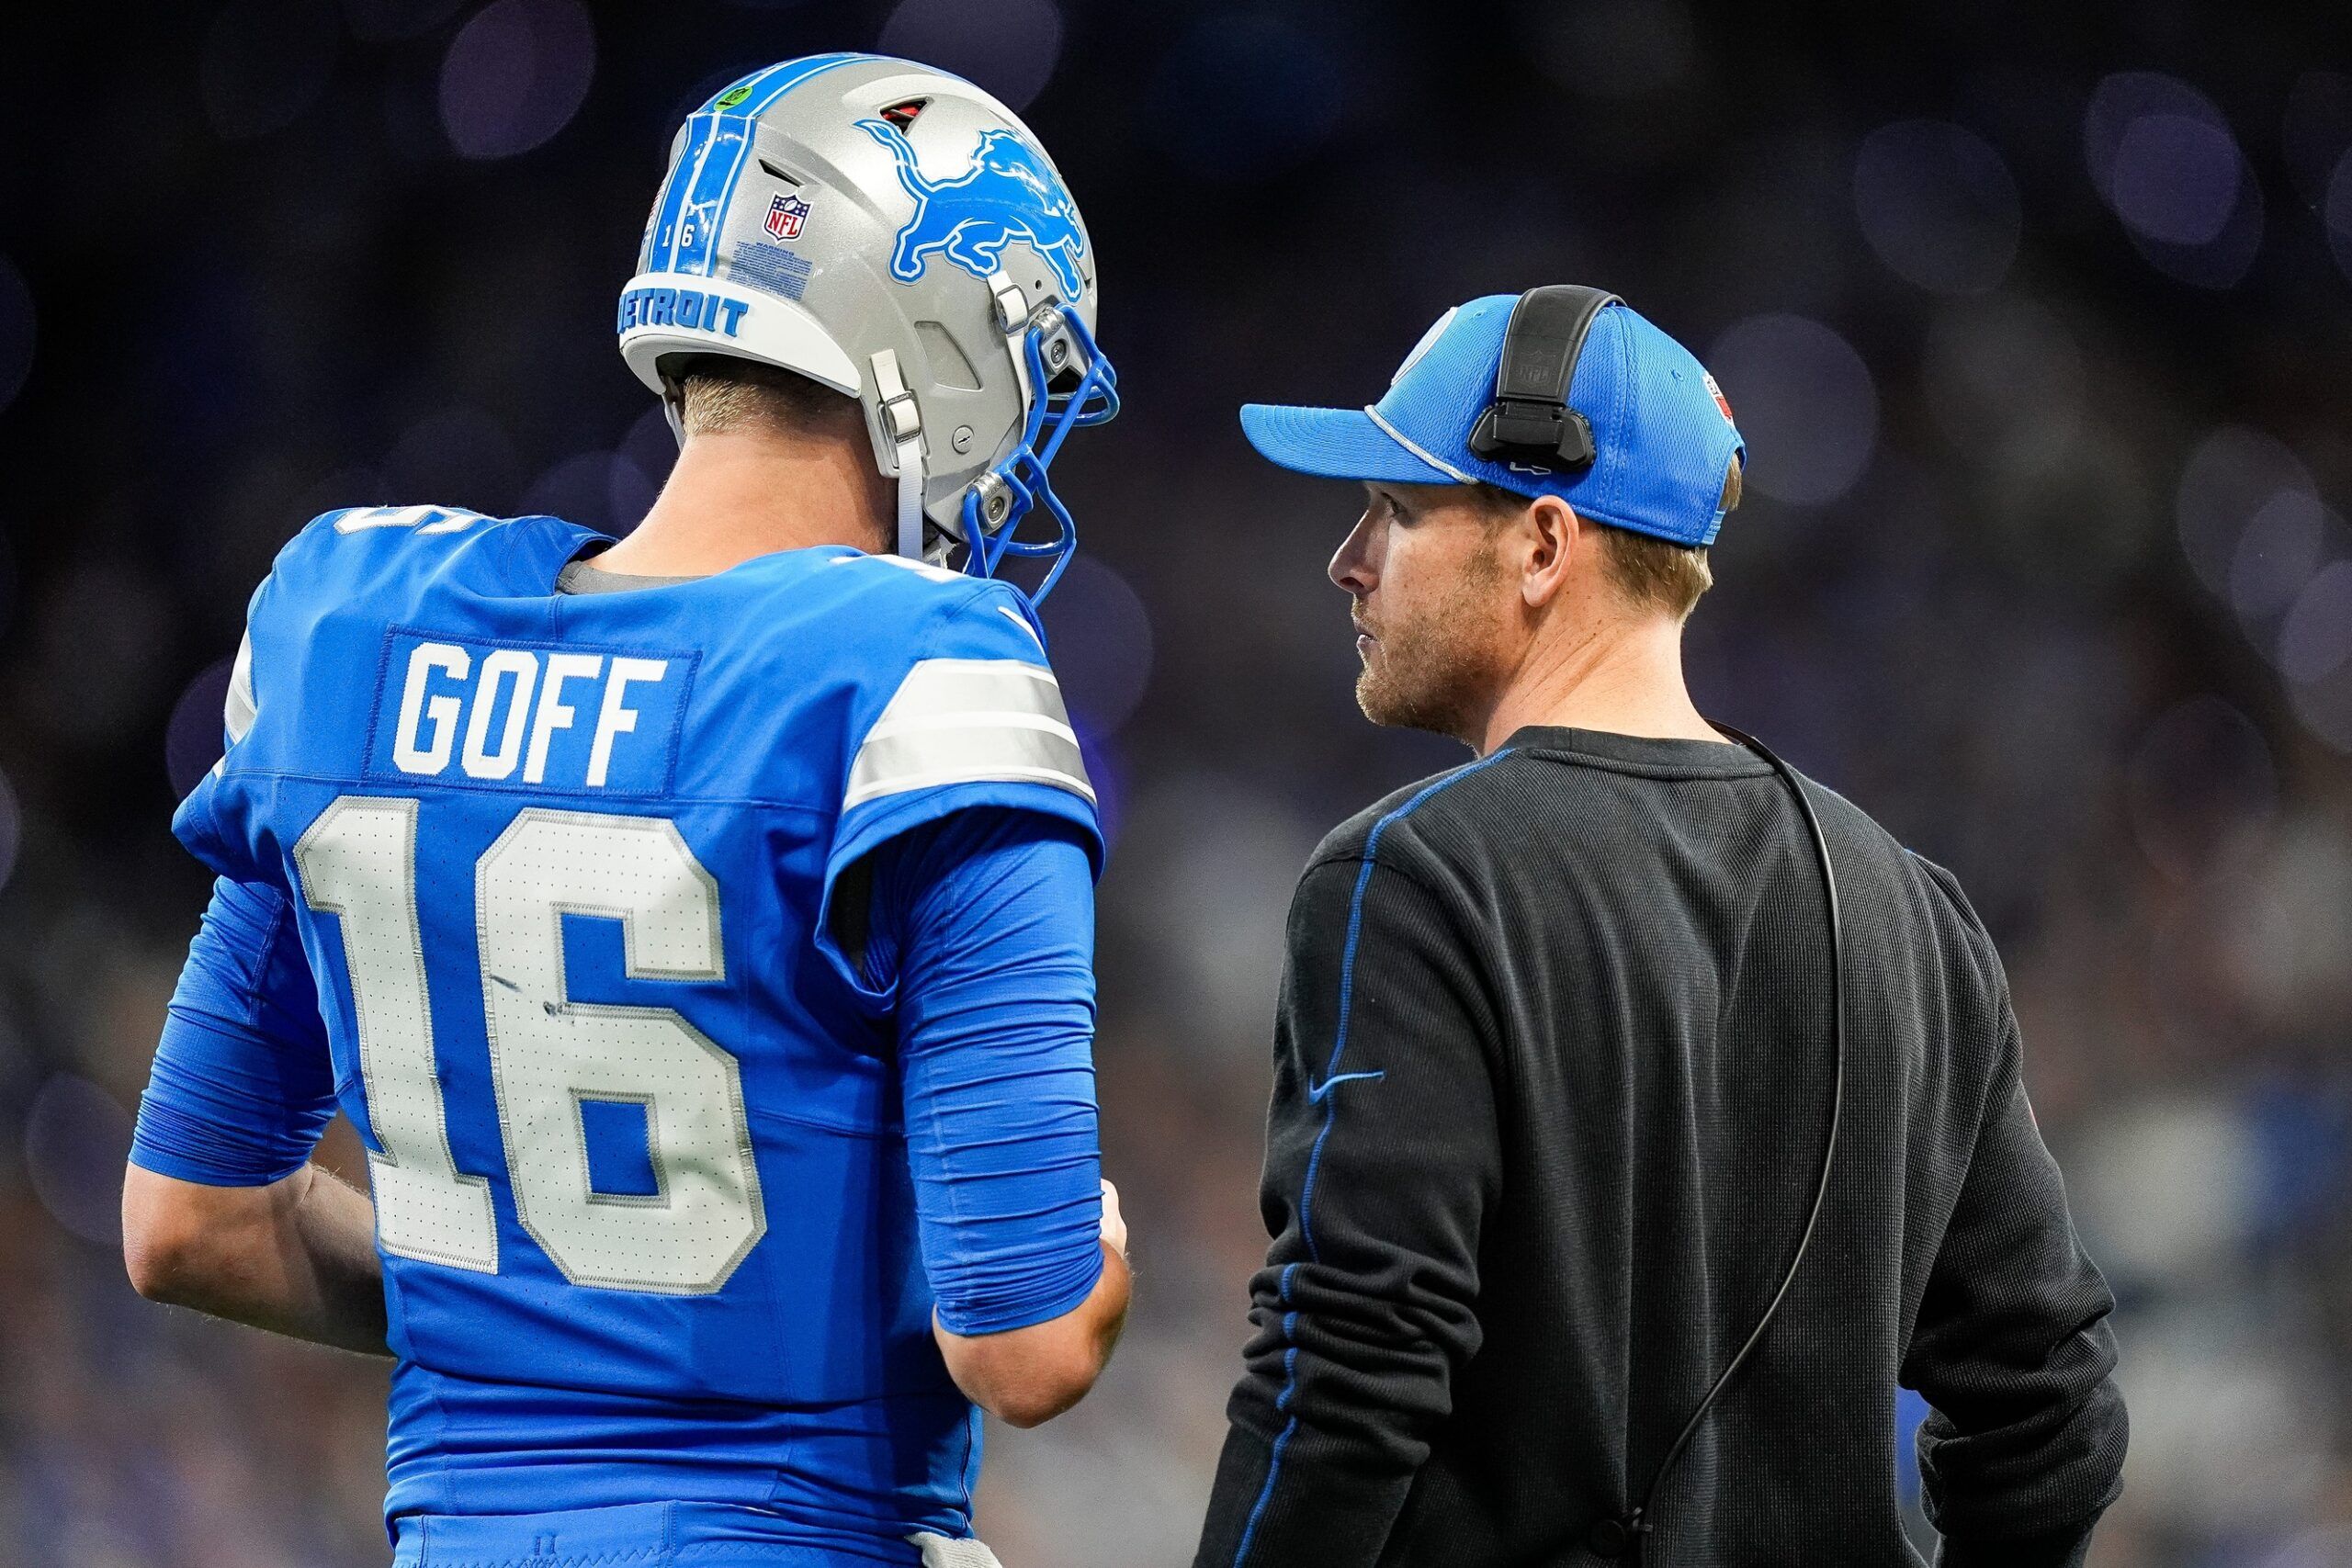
point(949, 365)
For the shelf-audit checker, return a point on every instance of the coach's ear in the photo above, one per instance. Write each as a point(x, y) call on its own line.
point(1554, 538)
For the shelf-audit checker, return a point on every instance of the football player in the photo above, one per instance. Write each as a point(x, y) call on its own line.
point(697, 928)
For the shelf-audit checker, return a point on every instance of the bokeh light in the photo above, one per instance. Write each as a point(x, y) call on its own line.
point(2233, 473)
point(650, 444)
point(2324, 707)
point(516, 74)
point(1007, 46)
point(196, 734)
point(2336, 214)
point(579, 489)
point(2277, 554)
point(1938, 205)
point(2167, 1188)
point(265, 64)
point(77, 1137)
point(2316, 130)
point(2258, 534)
point(2167, 162)
point(2175, 178)
point(1806, 405)
point(2316, 640)
point(2226, 482)
point(628, 495)
point(1100, 636)
point(17, 332)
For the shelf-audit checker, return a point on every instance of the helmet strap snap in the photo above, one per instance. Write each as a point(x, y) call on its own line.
point(902, 423)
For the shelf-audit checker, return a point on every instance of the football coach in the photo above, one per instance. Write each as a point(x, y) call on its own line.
point(1621, 1063)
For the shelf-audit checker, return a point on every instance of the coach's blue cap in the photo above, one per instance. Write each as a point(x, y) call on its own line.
point(1662, 435)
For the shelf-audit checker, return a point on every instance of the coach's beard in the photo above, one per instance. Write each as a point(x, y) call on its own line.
point(1433, 666)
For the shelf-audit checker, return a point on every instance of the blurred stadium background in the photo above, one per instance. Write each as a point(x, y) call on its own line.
point(2037, 317)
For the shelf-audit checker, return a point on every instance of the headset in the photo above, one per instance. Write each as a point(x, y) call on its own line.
point(1530, 421)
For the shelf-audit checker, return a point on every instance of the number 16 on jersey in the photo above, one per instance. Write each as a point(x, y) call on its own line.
point(548, 1053)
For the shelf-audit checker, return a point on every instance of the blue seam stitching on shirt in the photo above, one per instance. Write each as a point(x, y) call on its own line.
point(972, 1458)
point(281, 911)
point(1321, 1096)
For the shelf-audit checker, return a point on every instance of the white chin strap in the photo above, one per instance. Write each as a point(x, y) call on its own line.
point(903, 421)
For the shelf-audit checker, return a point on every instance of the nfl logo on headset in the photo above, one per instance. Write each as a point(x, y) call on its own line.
point(784, 214)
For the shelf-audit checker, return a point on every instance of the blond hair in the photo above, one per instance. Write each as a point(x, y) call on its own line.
point(716, 394)
point(1651, 572)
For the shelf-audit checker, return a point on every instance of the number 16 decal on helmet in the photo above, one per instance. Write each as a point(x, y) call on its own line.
point(897, 234)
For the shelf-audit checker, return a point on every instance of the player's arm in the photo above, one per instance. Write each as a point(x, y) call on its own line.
point(296, 1257)
point(1026, 1377)
point(985, 919)
point(221, 1210)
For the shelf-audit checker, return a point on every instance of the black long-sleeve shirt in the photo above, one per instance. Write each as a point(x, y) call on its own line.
point(1551, 1078)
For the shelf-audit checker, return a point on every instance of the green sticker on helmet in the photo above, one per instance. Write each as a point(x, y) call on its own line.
point(733, 96)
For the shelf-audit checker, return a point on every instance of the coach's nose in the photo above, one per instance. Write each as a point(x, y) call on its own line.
point(1351, 566)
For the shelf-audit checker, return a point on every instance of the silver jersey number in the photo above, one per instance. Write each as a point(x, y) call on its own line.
point(548, 1052)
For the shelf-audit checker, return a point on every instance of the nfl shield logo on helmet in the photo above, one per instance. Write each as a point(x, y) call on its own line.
point(785, 215)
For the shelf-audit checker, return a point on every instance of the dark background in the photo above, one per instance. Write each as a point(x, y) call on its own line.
point(2037, 319)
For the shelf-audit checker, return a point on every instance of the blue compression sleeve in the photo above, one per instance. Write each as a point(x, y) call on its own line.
point(242, 1084)
point(987, 917)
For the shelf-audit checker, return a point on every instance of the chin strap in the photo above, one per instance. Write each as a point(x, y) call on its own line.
point(673, 409)
point(902, 421)
point(1013, 320)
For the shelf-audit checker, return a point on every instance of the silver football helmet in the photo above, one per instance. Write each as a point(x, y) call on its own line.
point(897, 234)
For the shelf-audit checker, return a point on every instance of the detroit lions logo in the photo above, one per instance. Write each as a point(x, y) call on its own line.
point(1008, 193)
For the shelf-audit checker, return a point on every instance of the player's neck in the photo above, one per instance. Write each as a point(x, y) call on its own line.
point(740, 494)
point(1621, 676)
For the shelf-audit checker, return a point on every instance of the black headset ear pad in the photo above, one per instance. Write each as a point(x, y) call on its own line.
point(1530, 420)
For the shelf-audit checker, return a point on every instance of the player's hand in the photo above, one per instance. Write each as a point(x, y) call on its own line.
point(1115, 1224)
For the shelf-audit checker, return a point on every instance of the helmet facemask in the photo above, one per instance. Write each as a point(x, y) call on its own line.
point(1079, 387)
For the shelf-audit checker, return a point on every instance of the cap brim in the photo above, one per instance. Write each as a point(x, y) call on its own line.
point(1336, 444)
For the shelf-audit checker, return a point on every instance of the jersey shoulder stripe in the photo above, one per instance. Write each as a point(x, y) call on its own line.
point(968, 720)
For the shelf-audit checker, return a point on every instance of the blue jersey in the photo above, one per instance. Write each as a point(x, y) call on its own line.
point(563, 867)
